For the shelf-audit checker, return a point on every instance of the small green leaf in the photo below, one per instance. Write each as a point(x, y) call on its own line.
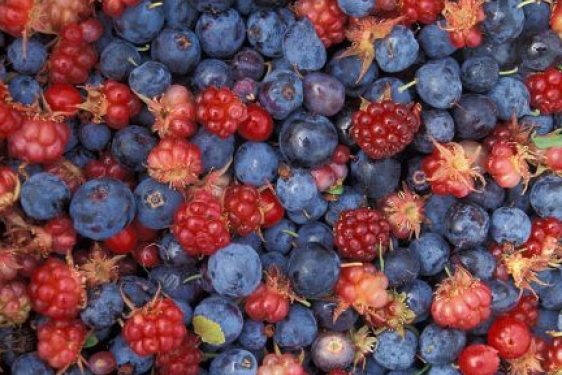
point(91, 341)
point(544, 142)
point(338, 190)
point(209, 331)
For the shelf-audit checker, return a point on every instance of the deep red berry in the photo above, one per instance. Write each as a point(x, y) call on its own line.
point(10, 120)
point(510, 337)
point(545, 235)
point(361, 234)
point(102, 363)
point(14, 303)
point(395, 315)
point(145, 234)
point(62, 97)
point(405, 213)
point(281, 364)
point(114, 8)
point(10, 188)
point(62, 233)
point(526, 310)
point(461, 301)
point(258, 127)
point(384, 129)
point(9, 265)
point(423, 11)
point(92, 30)
point(174, 113)
point(156, 328)
point(107, 166)
point(57, 290)
point(146, 255)
point(220, 111)
point(328, 19)
point(362, 287)
point(545, 89)
point(200, 225)
point(72, 175)
point(554, 356)
point(39, 141)
point(242, 205)
point(183, 360)
point(271, 208)
point(463, 20)
point(14, 16)
point(59, 342)
point(479, 359)
point(123, 242)
point(508, 164)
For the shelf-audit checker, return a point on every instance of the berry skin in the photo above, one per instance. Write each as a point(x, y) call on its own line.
point(554, 356)
point(242, 204)
point(272, 210)
point(62, 97)
point(114, 8)
point(57, 290)
point(510, 337)
point(282, 364)
point(527, 310)
point(361, 234)
point(478, 359)
point(362, 287)
point(326, 17)
point(463, 20)
point(220, 111)
point(156, 328)
point(14, 303)
point(258, 127)
point(10, 120)
point(184, 360)
point(461, 301)
point(39, 141)
point(424, 11)
point(384, 129)
point(10, 188)
point(508, 164)
point(200, 225)
point(60, 342)
point(545, 90)
point(102, 363)
point(107, 166)
point(123, 242)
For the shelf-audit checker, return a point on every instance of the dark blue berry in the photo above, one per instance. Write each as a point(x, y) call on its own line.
point(156, 203)
point(94, 137)
point(438, 125)
point(398, 51)
point(234, 362)
point(480, 74)
point(509, 224)
point(179, 50)
point(302, 47)
point(441, 346)
point(30, 62)
point(131, 147)
point(212, 72)
point(435, 41)
point(118, 60)
point(297, 330)
point(44, 195)
point(141, 23)
point(432, 252)
point(150, 79)
point(475, 116)
point(105, 305)
point(395, 351)
point(466, 225)
point(24, 89)
point(221, 34)
point(281, 92)
point(215, 152)
point(256, 163)
point(439, 83)
point(401, 267)
point(377, 178)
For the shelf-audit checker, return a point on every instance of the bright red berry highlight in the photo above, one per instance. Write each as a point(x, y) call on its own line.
point(479, 359)
point(59, 342)
point(220, 111)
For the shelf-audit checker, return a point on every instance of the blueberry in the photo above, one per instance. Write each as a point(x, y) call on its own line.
point(248, 63)
point(179, 50)
point(253, 336)
point(156, 203)
point(438, 125)
point(541, 51)
point(397, 51)
point(221, 34)
point(504, 20)
point(211, 5)
point(479, 261)
point(415, 177)
point(35, 56)
point(180, 14)
point(311, 212)
point(350, 199)
point(44, 195)
point(105, 305)
point(401, 267)
point(297, 330)
point(432, 252)
point(448, 369)
point(537, 18)
point(218, 321)
point(94, 137)
point(347, 70)
point(313, 270)
point(324, 313)
point(254, 240)
point(357, 8)
point(504, 296)
point(439, 83)
point(490, 196)
point(550, 297)
point(435, 41)
point(186, 310)
point(466, 225)
point(510, 224)
point(127, 360)
point(332, 350)
point(441, 346)
point(150, 79)
point(141, 23)
point(377, 178)
point(545, 195)
point(475, 116)
point(235, 270)
point(280, 237)
point(256, 163)
point(307, 141)
point(510, 97)
point(316, 232)
point(30, 364)
point(131, 146)
point(212, 72)
point(547, 322)
point(118, 60)
point(480, 74)
point(274, 259)
point(296, 191)
point(280, 93)
point(369, 367)
point(24, 89)
point(376, 91)
point(395, 351)
point(172, 282)
point(541, 124)
point(72, 142)
point(234, 362)
point(419, 297)
point(265, 30)
point(302, 47)
point(323, 94)
point(172, 253)
point(436, 207)
point(139, 290)
point(80, 156)
point(215, 152)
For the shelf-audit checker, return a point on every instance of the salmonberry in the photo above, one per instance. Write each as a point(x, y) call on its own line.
point(242, 205)
point(362, 287)
point(220, 111)
point(526, 310)
point(10, 188)
point(545, 89)
point(102, 363)
point(107, 166)
point(423, 11)
point(156, 328)
point(10, 120)
point(114, 8)
point(395, 315)
point(72, 175)
point(545, 235)
point(258, 127)
point(463, 20)
point(328, 19)
point(14, 303)
point(554, 356)
point(479, 359)
point(184, 360)
point(62, 234)
point(361, 234)
point(9, 265)
point(508, 164)
point(405, 213)
point(62, 97)
point(510, 337)
point(281, 364)
point(39, 141)
point(59, 342)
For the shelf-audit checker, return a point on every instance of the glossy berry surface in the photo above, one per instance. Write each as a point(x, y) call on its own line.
point(220, 111)
point(60, 342)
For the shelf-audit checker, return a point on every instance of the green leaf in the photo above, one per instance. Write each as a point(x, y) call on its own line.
point(209, 331)
point(91, 341)
point(544, 142)
point(338, 190)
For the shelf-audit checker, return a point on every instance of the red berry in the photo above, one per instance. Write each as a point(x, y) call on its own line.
point(508, 165)
point(107, 166)
point(14, 303)
point(183, 360)
point(554, 356)
point(10, 120)
point(72, 175)
point(361, 234)
point(39, 141)
point(242, 205)
point(57, 290)
point(479, 359)
point(384, 129)
point(63, 97)
point(9, 265)
point(200, 225)
point(114, 8)
point(271, 208)
point(328, 19)
point(526, 310)
point(281, 364)
point(258, 127)
point(102, 363)
point(362, 287)
point(62, 233)
point(510, 337)
point(14, 16)
point(405, 213)
point(123, 242)
point(424, 11)
point(59, 342)
point(10, 188)
point(545, 89)
point(156, 328)
point(556, 19)
point(553, 159)
point(463, 20)
point(146, 255)
point(145, 234)
point(92, 30)
point(174, 113)
point(461, 301)
point(220, 111)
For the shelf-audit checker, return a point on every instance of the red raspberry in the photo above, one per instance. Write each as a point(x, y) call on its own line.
point(545, 89)
point(183, 360)
point(395, 315)
point(281, 364)
point(61, 13)
point(14, 16)
point(57, 290)
point(361, 234)
point(452, 169)
point(9, 265)
point(107, 166)
point(14, 303)
point(552, 158)
point(362, 287)
point(479, 359)
point(258, 127)
point(10, 120)
point(200, 225)
point(156, 328)
point(384, 129)
point(554, 356)
point(463, 20)
point(62, 97)
point(174, 113)
point(242, 205)
point(508, 164)
point(271, 208)
point(423, 11)
point(510, 337)
point(220, 111)
point(545, 235)
point(114, 8)
point(10, 188)
point(59, 343)
point(62, 233)
point(175, 161)
point(405, 213)
point(328, 19)
point(526, 310)
point(72, 175)
point(146, 255)
point(39, 141)
point(461, 301)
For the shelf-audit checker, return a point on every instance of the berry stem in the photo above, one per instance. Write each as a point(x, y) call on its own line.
point(191, 278)
point(355, 264)
point(528, 2)
point(509, 72)
point(426, 367)
point(144, 48)
point(290, 233)
point(408, 85)
point(155, 5)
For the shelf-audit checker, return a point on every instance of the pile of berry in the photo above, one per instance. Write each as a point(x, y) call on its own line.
point(281, 187)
